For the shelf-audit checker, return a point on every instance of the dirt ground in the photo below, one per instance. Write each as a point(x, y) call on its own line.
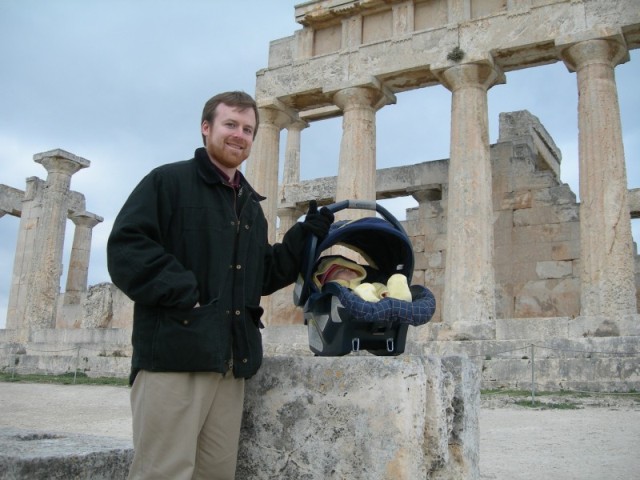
point(598, 441)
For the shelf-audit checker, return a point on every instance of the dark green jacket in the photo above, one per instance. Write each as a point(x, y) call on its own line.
point(183, 236)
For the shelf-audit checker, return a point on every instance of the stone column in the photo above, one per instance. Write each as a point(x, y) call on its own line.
point(262, 170)
point(357, 171)
point(46, 265)
point(291, 175)
point(291, 172)
point(78, 272)
point(262, 166)
point(606, 244)
point(469, 295)
point(25, 248)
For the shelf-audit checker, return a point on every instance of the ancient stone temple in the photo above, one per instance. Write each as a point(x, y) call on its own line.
point(44, 209)
point(375, 49)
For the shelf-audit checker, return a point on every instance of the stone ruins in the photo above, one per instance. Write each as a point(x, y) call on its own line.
point(543, 269)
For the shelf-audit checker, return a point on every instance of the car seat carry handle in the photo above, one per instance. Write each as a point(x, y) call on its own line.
point(367, 205)
point(359, 204)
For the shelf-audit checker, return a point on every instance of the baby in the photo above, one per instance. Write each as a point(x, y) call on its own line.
point(350, 274)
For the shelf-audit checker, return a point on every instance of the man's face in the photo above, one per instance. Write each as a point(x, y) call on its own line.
point(229, 137)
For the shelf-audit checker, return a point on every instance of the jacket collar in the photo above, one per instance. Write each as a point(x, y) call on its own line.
point(210, 175)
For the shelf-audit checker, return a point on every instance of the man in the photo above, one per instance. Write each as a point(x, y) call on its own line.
point(190, 248)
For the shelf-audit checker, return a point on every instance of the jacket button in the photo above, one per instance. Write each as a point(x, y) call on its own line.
point(237, 312)
point(244, 360)
point(185, 322)
point(238, 267)
point(246, 227)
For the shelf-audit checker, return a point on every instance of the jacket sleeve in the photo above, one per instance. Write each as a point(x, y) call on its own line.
point(137, 259)
point(283, 261)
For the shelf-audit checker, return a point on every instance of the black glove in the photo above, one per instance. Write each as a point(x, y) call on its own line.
point(316, 222)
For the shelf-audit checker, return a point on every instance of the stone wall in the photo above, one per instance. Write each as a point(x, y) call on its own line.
point(536, 224)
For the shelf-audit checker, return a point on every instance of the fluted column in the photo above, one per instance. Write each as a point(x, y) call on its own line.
point(78, 272)
point(262, 166)
point(469, 294)
point(46, 265)
point(357, 170)
point(606, 244)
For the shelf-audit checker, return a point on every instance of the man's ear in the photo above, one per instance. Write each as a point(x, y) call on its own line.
point(204, 128)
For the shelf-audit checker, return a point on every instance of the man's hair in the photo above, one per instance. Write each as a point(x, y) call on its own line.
point(237, 99)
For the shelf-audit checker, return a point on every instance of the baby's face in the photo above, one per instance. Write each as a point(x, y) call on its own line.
point(341, 273)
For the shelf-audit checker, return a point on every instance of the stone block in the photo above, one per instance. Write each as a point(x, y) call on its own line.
point(528, 234)
point(548, 298)
point(545, 215)
point(565, 251)
point(554, 269)
point(546, 179)
point(594, 326)
point(531, 328)
point(516, 200)
point(558, 195)
point(28, 455)
point(394, 418)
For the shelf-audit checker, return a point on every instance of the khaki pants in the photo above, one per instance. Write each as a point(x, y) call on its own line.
point(186, 426)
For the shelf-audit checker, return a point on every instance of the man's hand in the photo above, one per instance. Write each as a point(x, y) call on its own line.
point(318, 223)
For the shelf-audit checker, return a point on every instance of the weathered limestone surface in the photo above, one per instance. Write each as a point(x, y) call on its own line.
point(469, 271)
point(607, 275)
point(29, 455)
point(519, 35)
point(361, 417)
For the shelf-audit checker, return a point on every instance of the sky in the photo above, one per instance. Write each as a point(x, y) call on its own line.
point(122, 84)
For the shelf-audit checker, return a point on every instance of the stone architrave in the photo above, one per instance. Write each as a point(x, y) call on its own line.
point(78, 272)
point(469, 295)
point(46, 265)
point(606, 244)
point(357, 170)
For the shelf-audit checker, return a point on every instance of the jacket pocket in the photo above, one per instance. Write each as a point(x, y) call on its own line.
point(255, 313)
point(191, 340)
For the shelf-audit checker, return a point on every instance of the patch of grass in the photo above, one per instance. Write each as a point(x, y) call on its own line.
point(63, 379)
point(507, 393)
point(548, 405)
point(527, 393)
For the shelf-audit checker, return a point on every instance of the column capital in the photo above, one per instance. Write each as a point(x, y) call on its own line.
point(298, 125)
point(611, 51)
point(485, 74)
point(85, 219)
point(373, 96)
point(275, 112)
point(61, 161)
point(428, 194)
